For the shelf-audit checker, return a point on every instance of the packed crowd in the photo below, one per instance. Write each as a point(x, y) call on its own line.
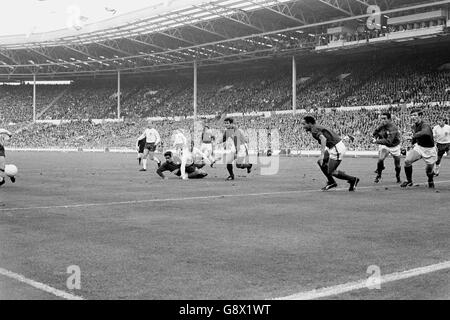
point(356, 127)
point(370, 80)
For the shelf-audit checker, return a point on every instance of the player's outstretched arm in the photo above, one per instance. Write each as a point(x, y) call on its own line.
point(160, 171)
point(376, 132)
point(390, 139)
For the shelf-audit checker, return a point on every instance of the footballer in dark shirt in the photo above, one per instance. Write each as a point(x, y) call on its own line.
point(332, 153)
point(235, 148)
point(388, 137)
point(173, 164)
point(424, 148)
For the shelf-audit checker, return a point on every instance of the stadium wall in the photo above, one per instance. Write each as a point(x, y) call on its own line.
point(296, 153)
point(266, 114)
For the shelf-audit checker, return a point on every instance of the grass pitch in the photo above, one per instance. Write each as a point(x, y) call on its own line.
point(135, 236)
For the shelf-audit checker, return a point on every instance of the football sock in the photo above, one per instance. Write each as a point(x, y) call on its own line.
point(430, 173)
point(398, 171)
point(144, 164)
point(230, 169)
point(398, 167)
point(380, 167)
point(409, 172)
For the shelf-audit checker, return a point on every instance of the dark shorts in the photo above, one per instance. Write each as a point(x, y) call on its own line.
point(443, 148)
point(141, 145)
point(2, 150)
point(150, 147)
point(190, 169)
point(199, 165)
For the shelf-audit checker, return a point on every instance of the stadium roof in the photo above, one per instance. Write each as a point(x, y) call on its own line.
point(172, 37)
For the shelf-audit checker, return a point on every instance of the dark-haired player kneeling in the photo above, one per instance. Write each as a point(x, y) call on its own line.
point(332, 153)
point(173, 164)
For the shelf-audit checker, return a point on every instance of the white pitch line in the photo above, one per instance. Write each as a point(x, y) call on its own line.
point(362, 284)
point(100, 204)
point(39, 286)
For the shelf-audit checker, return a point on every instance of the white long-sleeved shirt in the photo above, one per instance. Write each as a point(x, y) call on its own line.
point(179, 140)
point(188, 158)
point(441, 134)
point(151, 136)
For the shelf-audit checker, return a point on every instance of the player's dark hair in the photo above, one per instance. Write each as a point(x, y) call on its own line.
point(309, 120)
point(446, 121)
point(168, 154)
point(418, 111)
point(230, 120)
point(387, 114)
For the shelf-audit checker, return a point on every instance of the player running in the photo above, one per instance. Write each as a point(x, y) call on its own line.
point(388, 137)
point(152, 139)
point(424, 148)
point(3, 158)
point(207, 144)
point(332, 153)
point(441, 134)
point(235, 148)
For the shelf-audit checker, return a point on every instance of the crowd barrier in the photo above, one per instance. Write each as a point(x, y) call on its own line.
point(283, 153)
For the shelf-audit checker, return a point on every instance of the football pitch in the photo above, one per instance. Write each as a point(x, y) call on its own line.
point(132, 235)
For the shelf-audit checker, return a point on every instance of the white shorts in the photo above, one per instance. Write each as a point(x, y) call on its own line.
point(206, 148)
point(337, 152)
point(394, 151)
point(230, 155)
point(429, 155)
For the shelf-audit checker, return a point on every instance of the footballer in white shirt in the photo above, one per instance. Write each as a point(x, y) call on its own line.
point(441, 134)
point(152, 139)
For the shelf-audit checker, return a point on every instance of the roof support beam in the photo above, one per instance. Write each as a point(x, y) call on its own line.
point(206, 27)
point(282, 9)
point(363, 2)
point(339, 5)
point(235, 15)
point(9, 56)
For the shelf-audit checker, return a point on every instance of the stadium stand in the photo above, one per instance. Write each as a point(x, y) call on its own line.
point(355, 126)
point(361, 82)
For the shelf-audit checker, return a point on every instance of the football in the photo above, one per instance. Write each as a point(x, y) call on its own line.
point(11, 170)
